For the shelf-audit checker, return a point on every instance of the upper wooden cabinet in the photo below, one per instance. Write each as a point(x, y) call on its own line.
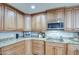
point(51, 15)
point(55, 14)
point(43, 22)
point(1, 17)
point(69, 19)
point(76, 19)
point(72, 19)
point(10, 19)
point(20, 22)
point(39, 22)
point(27, 23)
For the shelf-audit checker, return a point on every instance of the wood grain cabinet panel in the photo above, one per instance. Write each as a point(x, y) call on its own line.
point(28, 23)
point(33, 23)
point(28, 47)
point(76, 19)
point(60, 14)
point(10, 19)
point(20, 21)
point(55, 14)
point(51, 15)
point(14, 49)
point(39, 22)
point(69, 19)
point(73, 49)
point(1, 17)
point(55, 48)
point(38, 47)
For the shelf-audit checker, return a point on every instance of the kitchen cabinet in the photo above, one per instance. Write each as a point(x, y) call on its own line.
point(28, 47)
point(1, 17)
point(38, 47)
point(51, 15)
point(14, 49)
point(55, 48)
point(73, 49)
point(34, 23)
point(43, 22)
point(19, 21)
point(10, 19)
point(76, 19)
point(55, 14)
point(39, 22)
point(69, 19)
point(27, 22)
point(60, 14)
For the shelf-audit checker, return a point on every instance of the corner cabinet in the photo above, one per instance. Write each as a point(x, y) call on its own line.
point(1, 17)
point(27, 23)
point(10, 19)
point(55, 48)
point(20, 22)
point(39, 22)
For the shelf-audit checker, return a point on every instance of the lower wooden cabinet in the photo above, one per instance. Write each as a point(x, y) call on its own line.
point(14, 49)
point(28, 47)
point(73, 49)
point(38, 47)
point(55, 48)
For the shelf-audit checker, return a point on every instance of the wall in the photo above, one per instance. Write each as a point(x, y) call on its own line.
point(57, 33)
point(9, 34)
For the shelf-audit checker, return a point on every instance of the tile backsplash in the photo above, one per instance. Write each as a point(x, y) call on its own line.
point(9, 34)
point(57, 33)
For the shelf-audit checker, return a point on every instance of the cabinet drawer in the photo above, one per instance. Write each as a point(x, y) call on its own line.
point(55, 44)
point(37, 41)
point(73, 46)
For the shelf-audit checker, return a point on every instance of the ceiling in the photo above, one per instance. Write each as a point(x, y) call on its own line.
point(26, 7)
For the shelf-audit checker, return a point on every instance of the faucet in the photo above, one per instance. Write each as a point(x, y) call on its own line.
point(61, 39)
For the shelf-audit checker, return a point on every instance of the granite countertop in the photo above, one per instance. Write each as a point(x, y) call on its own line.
point(65, 41)
point(12, 41)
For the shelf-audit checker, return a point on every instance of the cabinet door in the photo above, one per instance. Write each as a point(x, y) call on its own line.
point(73, 49)
point(1, 17)
point(9, 52)
point(10, 19)
point(60, 50)
point(28, 22)
point(38, 23)
point(20, 21)
point(76, 19)
point(60, 14)
point(34, 23)
point(69, 19)
point(43, 22)
point(51, 15)
point(38, 47)
point(20, 50)
point(28, 47)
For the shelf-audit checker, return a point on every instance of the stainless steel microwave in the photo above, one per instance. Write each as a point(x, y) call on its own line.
point(55, 25)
